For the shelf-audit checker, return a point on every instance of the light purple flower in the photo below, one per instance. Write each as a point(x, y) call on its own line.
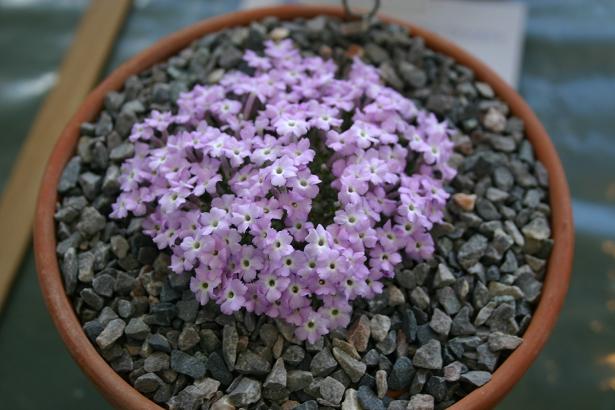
point(314, 326)
point(282, 170)
point(233, 295)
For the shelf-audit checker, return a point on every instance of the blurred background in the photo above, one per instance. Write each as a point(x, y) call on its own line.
point(560, 54)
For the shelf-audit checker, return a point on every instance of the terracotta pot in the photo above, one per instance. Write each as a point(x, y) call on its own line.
point(122, 394)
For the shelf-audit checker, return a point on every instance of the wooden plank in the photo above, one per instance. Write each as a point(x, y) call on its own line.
point(78, 74)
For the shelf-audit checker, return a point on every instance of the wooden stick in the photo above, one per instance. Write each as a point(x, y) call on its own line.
point(78, 74)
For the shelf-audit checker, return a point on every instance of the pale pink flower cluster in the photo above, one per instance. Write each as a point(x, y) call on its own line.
point(226, 186)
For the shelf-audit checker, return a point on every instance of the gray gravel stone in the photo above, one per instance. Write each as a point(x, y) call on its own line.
point(90, 184)
point(293, 355)
point(494, 120)
point(187, 310)
point(412, 75)
point(86, 267)
point(476, 378)
point(436, 387)
point(230, 338)
point(92, 329)
point(429, 356)
point(354, 368)
point(406, 278)
point(440, 322)
point(484, 89)
point(298, 379)
point(538, 229)
point(70, 270)
point(369, 399)
point(443, 276)
point(158, 342)
point(121, 152)
point(250, 363)
point(186, 364)
point(308, 405)
point(230, 57)
point(92, 299)
point(485, 313)
point(461, 323)
point(247, 391)
point(156, 362)
point(471, 251)
point(218, 370)
point(529, 285)
point(381, 383)
point(390, 77)
point(124, 283)
point(503, 178)
point(501, 341)
point(123, 364)
point(91, 222)
point(188, 338)
point(112, 332)
point(398, 405)
point(379, 326)
point(162, 313)
point(452, 372)
point(277, 378)
point(137, 329)
point(375, 53)
point(501, 289)
point(448, 300)
point(119, 246)
point(103, 284)
point(401, 374)
point(148, 383)
point(332, 390)
point(409, 324)
point(496, 195)
point(421, 402)
point(420, 298)
point(503, 319)
point(419, 381)
point(323, 363)
point(70, 175)
point(487, 210)
point(388, 345)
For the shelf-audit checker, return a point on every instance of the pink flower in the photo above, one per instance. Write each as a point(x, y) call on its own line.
point(192, 248)
point(272, 285)
point(281, 170)
point(294, 127)
point(256, 61)
point(336, 312)
point(313, 326)
point(249, 262)
point(233, 295)
point(305, 184)
point(384, 260)
point(204, 284)
point(214, 220)
point(318, 242)
point(245, 216)
point(280, 245)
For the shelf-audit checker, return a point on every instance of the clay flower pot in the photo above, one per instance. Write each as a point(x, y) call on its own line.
point(123, 395)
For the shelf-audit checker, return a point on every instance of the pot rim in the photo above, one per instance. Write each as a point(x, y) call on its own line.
point(119, 392)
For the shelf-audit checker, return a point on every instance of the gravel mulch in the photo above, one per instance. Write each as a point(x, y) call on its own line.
point(439, 330)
